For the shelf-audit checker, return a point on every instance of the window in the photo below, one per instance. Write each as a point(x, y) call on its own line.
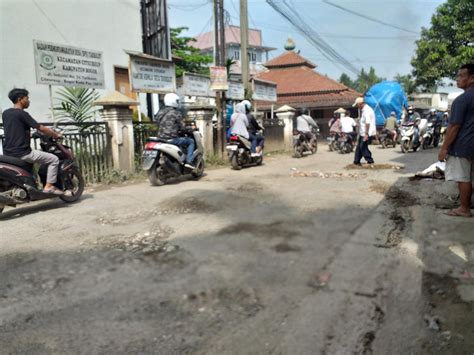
point(236, 55)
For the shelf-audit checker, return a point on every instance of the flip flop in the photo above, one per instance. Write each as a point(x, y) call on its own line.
point(454, 213)
point(53, 191)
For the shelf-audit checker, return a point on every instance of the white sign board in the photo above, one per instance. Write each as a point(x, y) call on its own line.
point(235, 91)
point(197, 85)
point(264, 91)
point(151, 74)
point(58, 64)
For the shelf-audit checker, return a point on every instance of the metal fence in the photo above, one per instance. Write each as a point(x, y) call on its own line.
point(90, 143)
point(141, 131)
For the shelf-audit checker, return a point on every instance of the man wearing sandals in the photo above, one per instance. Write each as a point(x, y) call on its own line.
point(458, 146)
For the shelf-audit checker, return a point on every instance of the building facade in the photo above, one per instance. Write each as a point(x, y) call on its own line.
point(106, 26)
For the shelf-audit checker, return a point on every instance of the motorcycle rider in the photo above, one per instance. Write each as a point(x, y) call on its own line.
point(239, 121)
point(170, 124)
point(392, 125)
point(348, 126)
point(304, 122)
point(413, 117)
point(17, 124)
point(253, 129)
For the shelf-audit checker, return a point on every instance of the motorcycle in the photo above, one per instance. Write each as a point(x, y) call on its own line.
point(407, 133)
point(240, 153)
point(432, 135)
point(19, 182)
point(442, 134)
point(163, 160)
point(332, 141)
point(304, 146)
point(344, 144)
point(386, 138)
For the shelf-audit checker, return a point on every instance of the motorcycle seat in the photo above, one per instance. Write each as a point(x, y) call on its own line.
point(17, 162)
point(157, 140)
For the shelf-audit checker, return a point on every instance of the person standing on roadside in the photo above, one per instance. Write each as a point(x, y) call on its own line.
point(367, 130)
point(458, 146)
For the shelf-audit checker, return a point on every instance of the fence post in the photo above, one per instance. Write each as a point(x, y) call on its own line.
point(117, 113)
point(286, 114)
point(202, 115)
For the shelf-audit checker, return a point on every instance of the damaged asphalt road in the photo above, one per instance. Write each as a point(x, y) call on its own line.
point(294, 257)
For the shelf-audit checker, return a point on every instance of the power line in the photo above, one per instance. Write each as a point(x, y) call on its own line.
point(50, 21)
point(368, 17)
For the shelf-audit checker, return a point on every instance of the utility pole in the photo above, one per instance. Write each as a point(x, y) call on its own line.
point(244, 45)
point(155, 34)
point(219, 60)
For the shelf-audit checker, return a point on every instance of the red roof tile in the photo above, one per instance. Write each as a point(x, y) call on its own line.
point(289, 59)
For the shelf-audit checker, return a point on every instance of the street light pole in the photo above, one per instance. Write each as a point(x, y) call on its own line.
point(219, 60)
point(244, 45)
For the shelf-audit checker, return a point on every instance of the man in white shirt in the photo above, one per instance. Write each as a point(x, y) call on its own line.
point(367, 130)
point(347, 126)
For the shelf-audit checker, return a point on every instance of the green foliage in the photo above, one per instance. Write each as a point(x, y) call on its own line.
point(446, 45)
point(363, 82)
point(192, 61)
point(214, 160)
point(145, 118)
point(407, 82)
point(75, 105)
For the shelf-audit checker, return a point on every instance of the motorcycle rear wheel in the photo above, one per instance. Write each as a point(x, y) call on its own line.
point(155, 175)
point(297, 151)
point(314, 147)
point(234, 161)
point(78, 186)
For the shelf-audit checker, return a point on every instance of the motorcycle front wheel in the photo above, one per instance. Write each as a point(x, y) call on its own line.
point(199, 171)
point(405, 146)
point(73, 186)
point(156, 176)
point(297, 151)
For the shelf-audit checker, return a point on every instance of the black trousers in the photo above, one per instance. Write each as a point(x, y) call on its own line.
point(362, 150)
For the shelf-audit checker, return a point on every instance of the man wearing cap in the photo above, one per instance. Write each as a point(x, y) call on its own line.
point(392, 125)
point(367, 130)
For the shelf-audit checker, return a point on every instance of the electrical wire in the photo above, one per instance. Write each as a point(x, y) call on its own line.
point(368, 17)
point(50, 21)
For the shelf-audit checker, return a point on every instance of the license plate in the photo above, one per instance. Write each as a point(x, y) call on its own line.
point(150, 154)
point(231, 147)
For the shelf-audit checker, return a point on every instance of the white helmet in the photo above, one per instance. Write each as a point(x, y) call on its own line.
point(247, 104)
point(171, 100)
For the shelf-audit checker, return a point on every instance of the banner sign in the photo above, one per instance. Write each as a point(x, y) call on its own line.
point(151, 74)
point(197, 85)
point(264, 90)
point(236, 91)
point(62, 65)
point(219, 78)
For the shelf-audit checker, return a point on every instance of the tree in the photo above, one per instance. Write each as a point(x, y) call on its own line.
point(364, 80)
point(446, 45)
point(407, 82)
point(192, 60)
point(76, 105)
point(347, 81)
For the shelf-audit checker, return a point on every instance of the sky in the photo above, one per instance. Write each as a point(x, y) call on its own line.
point(360, 41)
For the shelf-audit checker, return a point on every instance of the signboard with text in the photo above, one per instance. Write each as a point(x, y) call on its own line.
point(264, 90)
point(150, 74)
point(218, 78)
point(197, 85)
point(236, 91)
point(62, 65)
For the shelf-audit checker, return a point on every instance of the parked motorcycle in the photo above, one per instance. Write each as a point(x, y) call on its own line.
point(304, 146)
point(163, 160)
point(407, 133)
point(386, 138)
point(240, 153)
point(19, 183)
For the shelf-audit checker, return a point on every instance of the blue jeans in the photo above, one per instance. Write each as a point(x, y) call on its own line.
point(256, 140)
point(185, 141)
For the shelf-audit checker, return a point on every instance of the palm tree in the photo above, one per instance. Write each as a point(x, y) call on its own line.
point(75, 105)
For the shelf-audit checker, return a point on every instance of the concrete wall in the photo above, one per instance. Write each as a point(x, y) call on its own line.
point(109, 26)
